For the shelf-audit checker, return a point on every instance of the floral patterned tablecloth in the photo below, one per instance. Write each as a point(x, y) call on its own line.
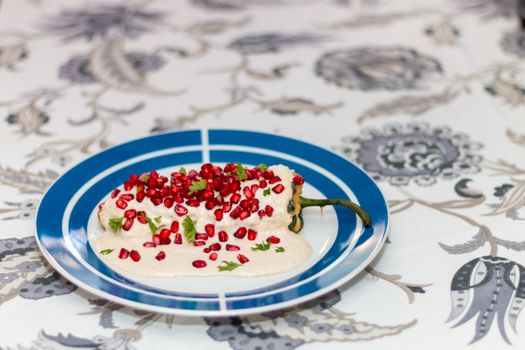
point(427, 96)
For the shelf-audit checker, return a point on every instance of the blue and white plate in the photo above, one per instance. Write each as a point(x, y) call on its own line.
point(341, 246)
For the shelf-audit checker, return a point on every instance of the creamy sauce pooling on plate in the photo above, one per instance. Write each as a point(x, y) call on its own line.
point(250, 241)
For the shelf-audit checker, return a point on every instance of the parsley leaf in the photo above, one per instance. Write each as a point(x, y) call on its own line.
point(279, 250)
point(267, 192)
point(240, 172)
point(106, 251)
point(229, 266)
point(152, 227)
point(157, 219)
point(262, 166)
point(115, 224)
point(189, 229)
point(183, 171)
point(197, 186)
point(144, 178)
point(262, 246)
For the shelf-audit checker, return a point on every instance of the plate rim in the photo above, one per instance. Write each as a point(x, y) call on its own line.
point(221, 312)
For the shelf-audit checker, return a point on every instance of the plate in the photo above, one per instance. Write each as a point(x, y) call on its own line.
point(342, 247)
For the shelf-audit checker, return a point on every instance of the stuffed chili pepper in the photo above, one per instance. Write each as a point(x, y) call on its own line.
point(212, 221)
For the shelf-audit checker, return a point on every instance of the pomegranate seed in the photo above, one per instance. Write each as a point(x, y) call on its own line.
point(273, 240)
point(180, 210)
point(193, 202)
point(165, 192)
point(134, 255)
point(261, 213)
point(278, 189)
point(236, 212)
point(255, 205)
point(252, 235)
point(268, 174)
point(127, 186)
point(245, 204)
point(123, 254)
point(178, 198)
point(248, 192)
point(165, 241)
point(230, 167)
point(240, 233)
point(244, 214)
point(210, 230)
point(206, 171)
point(235, 198)
point(269, 210)
point(274, 180)
point(174, 227)
point(153, 175)
point(126, 196)
point(100, 206)
point(223, 236)
point(207, 194)
point(178, 238)
point(141, 217)
point(151, 192)
point(215, 247)
point(199, 264)
point(298, 180)
point(168, 202)
point(193, 173)
point(210, 204)
point(127, 224)
point(160, 256)
point(140, 186)
point(263, 183)
point(133, 178)
point(213, 256)
point(199, 243)
point(115, 193)
point(156, 239)
point(207, 250)
point(149, 244)
point(164, 233)
point(130, 213)
point(232, 248)
point(226, 207)
point(121, 204)
point(242, 258)
point(140, 196)
point(202, 236)
point(218, 214)
point(254, 188)
point(156, 200)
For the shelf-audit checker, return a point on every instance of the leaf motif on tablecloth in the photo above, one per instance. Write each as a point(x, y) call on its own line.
point(105, 310)
point(109, 65)
point(408, 105)
point(30, 119)
point(11, 55)
point(380, 19)
point(476, 242)
point(491, 287)
point(513, 245)
point(515, 138)
point(121, 339)
point(293, 106)
point(315, 321)
point(24, 272)
point(513, 199)
point(27, 181)
point(512, 93)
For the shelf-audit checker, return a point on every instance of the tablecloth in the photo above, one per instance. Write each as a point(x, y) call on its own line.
point(427, 96)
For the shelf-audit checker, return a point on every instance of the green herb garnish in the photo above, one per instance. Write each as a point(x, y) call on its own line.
point(197, 186)
point(189, 229)
point(106, 251)
point(279, 250)
point(240, 172)
point(145, 178)
point(229, 266)
point(267, 192)
point(157, 219)
point(262, 166)
point(152, 227)
point(262, 246)
point(115, 224)
point(183, 171)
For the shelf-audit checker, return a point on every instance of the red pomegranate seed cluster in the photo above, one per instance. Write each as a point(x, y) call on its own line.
point(220, 191)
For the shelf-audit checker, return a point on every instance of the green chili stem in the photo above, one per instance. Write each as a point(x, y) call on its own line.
point(363, 215)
